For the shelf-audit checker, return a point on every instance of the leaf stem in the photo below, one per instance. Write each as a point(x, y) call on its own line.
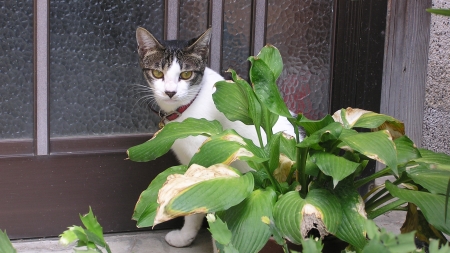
point(294, 125)
point(384, 209)
point(273, 181)
point(301, 168)
point(363, 181)
point(285, 248)
point(258, 132)
point(367, 195)
point(376, 196)
point(268, 128)
point(379, 202)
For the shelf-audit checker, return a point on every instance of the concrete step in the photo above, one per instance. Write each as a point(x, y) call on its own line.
point(140, 242)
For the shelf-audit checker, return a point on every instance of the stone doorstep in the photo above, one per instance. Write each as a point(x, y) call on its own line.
point(138, 242)
point(153, 242)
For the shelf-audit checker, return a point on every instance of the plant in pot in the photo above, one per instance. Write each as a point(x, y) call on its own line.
point(297, 189)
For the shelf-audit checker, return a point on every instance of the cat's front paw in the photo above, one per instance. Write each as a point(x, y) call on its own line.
point(177, 238)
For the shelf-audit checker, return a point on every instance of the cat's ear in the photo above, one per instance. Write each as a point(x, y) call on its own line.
point(201, 44)
point(146, 41)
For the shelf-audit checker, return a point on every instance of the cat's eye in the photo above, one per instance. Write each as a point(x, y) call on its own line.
point(186, 75)
point(157, 74)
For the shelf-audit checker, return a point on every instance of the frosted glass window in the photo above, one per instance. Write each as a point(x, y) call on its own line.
point(16, 69)
point(94, 66)
point(236, 40)
point(193, 19)
point(301, 30)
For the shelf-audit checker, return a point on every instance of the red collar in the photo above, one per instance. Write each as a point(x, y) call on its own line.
point(173, 114)
point(177, 113)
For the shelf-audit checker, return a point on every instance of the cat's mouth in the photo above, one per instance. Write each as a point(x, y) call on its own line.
point(170, 100)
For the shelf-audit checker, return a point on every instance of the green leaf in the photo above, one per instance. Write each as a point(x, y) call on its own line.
point(91, 237)
point(311, 168)
point(273, 151)
point(146, 207)
point(335, 166)
point(272, 57)
point(328, 205)
point(191, 187)
point(382, 241)
point(276, 234)
point(231, 101)
point(288, 216)
point(226, 148)
point(445, 12)
point(330, 132)
point(353, 117)
point(87, 251)
point(250, 234)
point(436, 248)
point(163, 140)
point(5, 243)
point(288, 147)
point(437, 160)
point(433, 180)
point(94, 239)
point(80, 233)
point(266, 89)
point(312, 126)
point(258, 112)
point(352, 228)
point(376, 145)
point(432, 205)
point(70, 235)
point(295, 216)
point(374, 120)
point(219, 229)
point(92, 226)
point(311, 245)
point(406, 150)
point(213, 195)
point(254, 107)
point(269, 119)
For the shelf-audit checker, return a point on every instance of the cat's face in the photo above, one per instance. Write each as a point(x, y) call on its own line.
point(173, 69)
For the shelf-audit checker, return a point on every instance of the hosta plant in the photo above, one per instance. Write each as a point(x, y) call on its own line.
point(297, 189)
point(90, 237)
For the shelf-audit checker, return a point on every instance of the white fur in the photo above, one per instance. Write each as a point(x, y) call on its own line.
point(202, 107)
point(172, 83)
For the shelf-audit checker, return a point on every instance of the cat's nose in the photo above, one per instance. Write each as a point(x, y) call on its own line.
point(170, 93)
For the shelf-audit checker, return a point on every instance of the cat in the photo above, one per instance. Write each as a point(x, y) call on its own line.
point(182, 86)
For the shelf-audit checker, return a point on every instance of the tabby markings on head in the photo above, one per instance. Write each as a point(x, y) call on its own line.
point(173, 68)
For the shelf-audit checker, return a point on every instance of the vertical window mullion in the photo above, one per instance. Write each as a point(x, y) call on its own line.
point(216, 16)
point(41, 77)
point(259, 25)
point(172, 13)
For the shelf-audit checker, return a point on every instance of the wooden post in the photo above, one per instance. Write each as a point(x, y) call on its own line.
point(405, 64)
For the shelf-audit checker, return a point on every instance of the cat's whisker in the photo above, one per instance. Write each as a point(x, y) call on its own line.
point(144, 94)
point(139, 86)
point(146, 100)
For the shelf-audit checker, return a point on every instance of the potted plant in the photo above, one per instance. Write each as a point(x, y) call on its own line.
point(297, 189)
